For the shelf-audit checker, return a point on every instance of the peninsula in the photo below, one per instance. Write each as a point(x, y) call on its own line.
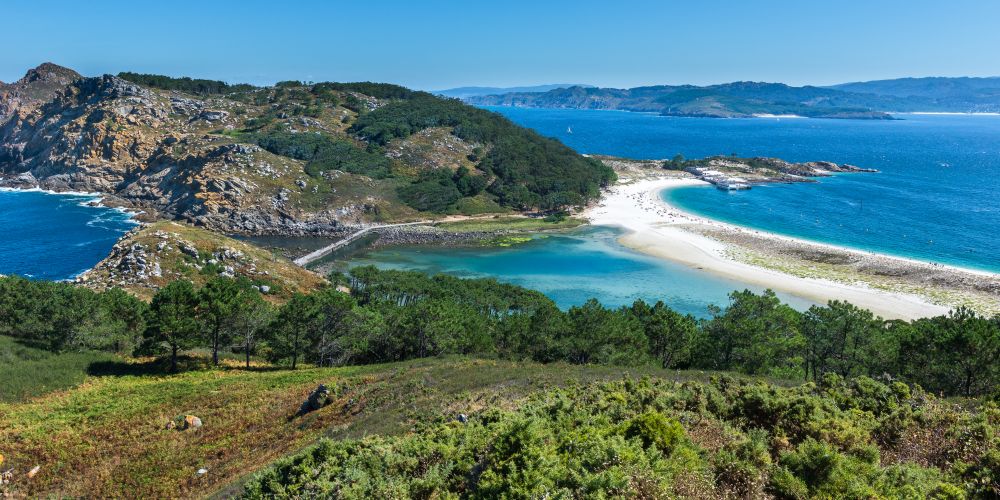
point(894, 287)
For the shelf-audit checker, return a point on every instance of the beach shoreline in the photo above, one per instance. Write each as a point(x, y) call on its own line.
point(654, 227)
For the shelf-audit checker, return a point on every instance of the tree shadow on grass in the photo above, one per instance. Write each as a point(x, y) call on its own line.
point(162, 366)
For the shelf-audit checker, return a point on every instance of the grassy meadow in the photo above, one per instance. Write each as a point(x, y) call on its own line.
point(107, 436)
point(26, 371)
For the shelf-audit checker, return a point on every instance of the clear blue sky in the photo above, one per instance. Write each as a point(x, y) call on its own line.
point(434, 44)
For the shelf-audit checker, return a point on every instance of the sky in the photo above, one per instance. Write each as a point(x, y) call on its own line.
point(438, 44)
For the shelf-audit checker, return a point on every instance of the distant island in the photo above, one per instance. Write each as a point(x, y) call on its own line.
point(465, 92)
point(863, 100)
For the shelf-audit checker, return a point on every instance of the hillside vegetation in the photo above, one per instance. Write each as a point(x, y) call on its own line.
point(27, 371)
point(520, 167)
point(393, 431)
point(109, 436)
point(410, 419)
point(655, 438)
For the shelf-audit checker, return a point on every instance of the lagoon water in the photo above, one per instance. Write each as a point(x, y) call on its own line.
point(55, 237)
point(572, 268)
point(936, 199)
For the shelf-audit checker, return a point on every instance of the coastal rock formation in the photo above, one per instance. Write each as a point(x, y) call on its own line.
point(152, 152)
point(292, 159)
point(729, 172)
point(722, 170)
point(169, 155)
point(153, 255)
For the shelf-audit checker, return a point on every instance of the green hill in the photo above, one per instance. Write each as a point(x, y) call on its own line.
point(294, 158)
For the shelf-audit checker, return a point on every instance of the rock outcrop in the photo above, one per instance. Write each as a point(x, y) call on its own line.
point(151, 256)
point(38, 86)
point(176, 156)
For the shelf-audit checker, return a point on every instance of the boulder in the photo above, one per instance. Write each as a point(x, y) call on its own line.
point(191, 422)
point(184, 422)
point(212, 115)
point(189, 250)
point(317, 399)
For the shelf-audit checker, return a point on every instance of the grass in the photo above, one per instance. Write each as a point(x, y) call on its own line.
point(27, 372)
point(480, 204)
point(107, 437)
point(513, 224)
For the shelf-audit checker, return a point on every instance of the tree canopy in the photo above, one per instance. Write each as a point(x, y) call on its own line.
point(399, 315)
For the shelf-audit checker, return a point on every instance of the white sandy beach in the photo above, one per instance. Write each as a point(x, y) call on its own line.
point(658, 229)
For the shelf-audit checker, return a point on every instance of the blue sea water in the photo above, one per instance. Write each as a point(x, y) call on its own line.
point(936, 199)
point(572, 269)
point(55, 237)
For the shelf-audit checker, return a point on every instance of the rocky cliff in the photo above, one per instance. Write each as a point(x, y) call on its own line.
point(38, 86)
point(185, 156)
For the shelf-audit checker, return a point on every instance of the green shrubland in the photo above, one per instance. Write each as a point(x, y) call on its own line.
point(651, 438)
point(838, 403)
point(527, 170)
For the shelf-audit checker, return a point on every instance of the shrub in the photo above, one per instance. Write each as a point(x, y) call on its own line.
point(322, 153)
point(655, 429)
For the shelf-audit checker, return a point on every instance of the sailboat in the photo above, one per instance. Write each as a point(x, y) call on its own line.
point(569, 130)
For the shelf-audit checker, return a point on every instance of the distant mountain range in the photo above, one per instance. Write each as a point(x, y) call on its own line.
point(860, 100)
point(465, 92)
point(933, 87)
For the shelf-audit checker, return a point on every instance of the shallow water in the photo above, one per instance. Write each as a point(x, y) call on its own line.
point(55, 237)
point(572, 268)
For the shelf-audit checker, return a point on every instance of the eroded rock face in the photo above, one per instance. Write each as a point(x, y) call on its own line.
point(155, 151)
point(38, 86)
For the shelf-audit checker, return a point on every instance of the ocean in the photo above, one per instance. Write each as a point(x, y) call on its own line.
point(936, 199)
point(55, 236)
